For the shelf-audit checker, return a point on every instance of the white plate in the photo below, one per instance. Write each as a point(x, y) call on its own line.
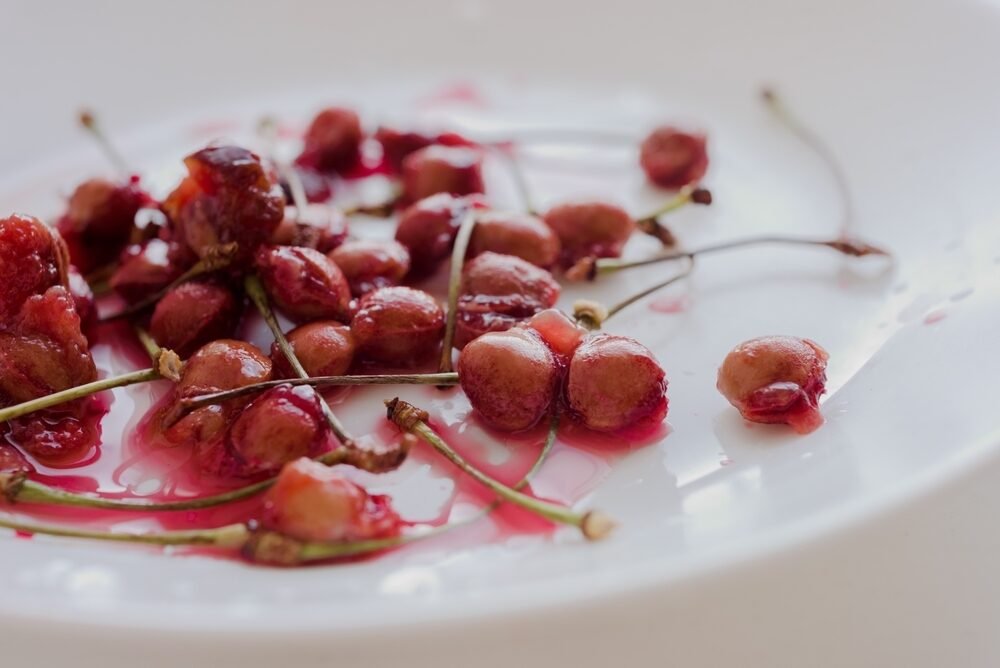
point(729, 536)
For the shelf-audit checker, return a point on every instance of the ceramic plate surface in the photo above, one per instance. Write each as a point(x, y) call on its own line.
point(905, 95)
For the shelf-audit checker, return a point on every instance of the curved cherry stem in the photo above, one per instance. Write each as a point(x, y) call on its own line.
point(88, 121)
point(650, 223)
point(147, 341)
point(454, 288)
point(218, 258)
point(815, 143)
point(594, 525)
point(255, 290)
point(229, 536)
point(441, 379)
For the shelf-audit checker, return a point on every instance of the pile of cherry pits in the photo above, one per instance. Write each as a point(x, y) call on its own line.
point(184, 279)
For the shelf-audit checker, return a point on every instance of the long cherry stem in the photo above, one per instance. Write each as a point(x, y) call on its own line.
point(88, 121)
point(815, 143)
point(255, 290)
point(594, 525)
point(454, 288)
point(78, 392)
point(449, 378)
point(650, 223)
point(229, 536)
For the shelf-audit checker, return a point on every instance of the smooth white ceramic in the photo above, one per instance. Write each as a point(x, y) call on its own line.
point(869, 542)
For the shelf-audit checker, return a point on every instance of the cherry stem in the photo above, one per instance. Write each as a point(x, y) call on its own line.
point(650, 223)
point(267, 128)
point(454, 287)
point(229, 536)
point(592, 315)
point(78, 392)
point(852, 247)
point(255, 290)
point(216, 259)
point(89, 123)
point(518, 176)
point(149, 344)
point(441, 379)
point(815, 143)
point(594, 525)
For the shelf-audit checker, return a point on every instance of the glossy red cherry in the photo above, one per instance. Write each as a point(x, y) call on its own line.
point(324, 348)
point(499, 291)
point(397, 144)
point(224, 364)
point(192, 314)
point(228, 197)
point(398, 326)
point(33, 258)
point(145, 269)
point(333, 141)
point(278, 427)
point(60, 435)
point(42, 349)
point(99, 220)
point(590, 229)
point(320, 227)
point(83, 296)
point(428, 228)
point(614, 383)
point(312, 502)
point(518, 234)
point(437, 169)
point(303, 283)
point(672, 158)
point(776, 379)
point(370, 264)
point(510, 378)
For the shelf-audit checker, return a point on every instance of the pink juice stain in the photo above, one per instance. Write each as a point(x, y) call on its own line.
point(935, 316)
point(670, 305)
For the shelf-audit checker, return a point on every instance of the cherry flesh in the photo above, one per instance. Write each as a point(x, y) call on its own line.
point(332, 141)
point(324, 348)
point(369, 264)
point(312, 502)
point(558, 331)
point(100, 219)
point(776, 379)
point(398, 326)
point(510, 378)
point(673, 158)
point(303, 283)
point(194, 313)
point(33, 258)
point(614, 383)
point(590, 229)
point(519, 234)
point(456, 170)
point(228, 197)
point(278, 427)
point(318, 226)
point(499, 291)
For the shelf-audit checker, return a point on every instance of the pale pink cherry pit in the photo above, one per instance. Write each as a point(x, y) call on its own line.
point(229, 241)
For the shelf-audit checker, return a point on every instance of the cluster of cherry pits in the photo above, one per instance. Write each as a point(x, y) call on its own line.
point(183, 277)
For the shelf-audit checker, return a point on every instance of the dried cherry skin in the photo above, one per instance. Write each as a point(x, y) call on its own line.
point(510, 378)
point(303, 283)
point(145, 269)
point(315, 503)
point(428, 228)
point(324, 348)
point(276, 428)
point(518, 234)
point(332, 141)
point(33, 258)
point(776, 379)
point(370, 264)
point(673, 158)
point(398, 326)
point(456, 170)
point(42, 349)
point(228, 197)
point(194, 313)
point(614, 383)
point(590, 229)
point(499, 291)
